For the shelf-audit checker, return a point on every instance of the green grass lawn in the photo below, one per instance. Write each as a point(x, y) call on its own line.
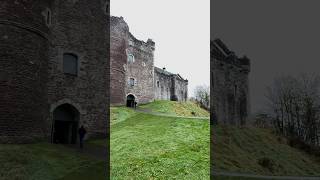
point(176, 108)
point(46, 161)
point(119, 114)
point(241, 149)
point(145, 146)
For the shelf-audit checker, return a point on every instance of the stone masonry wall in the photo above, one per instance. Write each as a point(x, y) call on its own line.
point(24, 40)
point(169, 86)
point(229, 85)
point(81, 28)
point(141, 70)
point(162, 84)
point(123, 44)
point(118, 60)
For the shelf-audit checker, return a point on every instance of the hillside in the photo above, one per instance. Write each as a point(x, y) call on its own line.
point(259, 151)
point(176, 108)
point(146, 146)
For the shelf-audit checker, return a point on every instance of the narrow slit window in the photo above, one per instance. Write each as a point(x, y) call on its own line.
point(48, 17)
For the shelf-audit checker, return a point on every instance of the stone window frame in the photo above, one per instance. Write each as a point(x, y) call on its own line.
point(132, 83)
point(158, 84)
point(130, 60)
point(130, 42)
point(77, 63)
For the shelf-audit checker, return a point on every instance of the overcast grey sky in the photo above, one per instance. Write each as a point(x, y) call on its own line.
point(279, 36)
point(180, 29)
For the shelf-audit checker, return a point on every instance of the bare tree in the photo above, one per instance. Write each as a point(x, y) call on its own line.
point(295, 107)
point(202, 95)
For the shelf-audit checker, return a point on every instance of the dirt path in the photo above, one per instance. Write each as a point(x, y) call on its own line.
point(228, 174)
point(148, 111)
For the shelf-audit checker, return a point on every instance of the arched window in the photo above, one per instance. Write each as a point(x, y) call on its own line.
point(70, 64)
point(158, 84)
point(130, 58)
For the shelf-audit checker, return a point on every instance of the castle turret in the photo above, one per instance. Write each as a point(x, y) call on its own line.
point(24, 41)
point(118, 59)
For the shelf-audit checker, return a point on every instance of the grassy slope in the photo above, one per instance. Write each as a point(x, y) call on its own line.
point(119, 114)
point(176, 108)
point(43, 161)
point(145, 147)
point(239, 150)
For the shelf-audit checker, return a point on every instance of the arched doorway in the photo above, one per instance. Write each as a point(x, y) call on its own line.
point(65, 121)
point(130, 100)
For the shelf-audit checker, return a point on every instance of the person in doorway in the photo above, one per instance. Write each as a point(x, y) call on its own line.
point(135, 104)
point(82, 132)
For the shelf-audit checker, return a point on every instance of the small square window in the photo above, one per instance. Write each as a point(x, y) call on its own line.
point(70, 64)
point(131, 82)
point(130, 58)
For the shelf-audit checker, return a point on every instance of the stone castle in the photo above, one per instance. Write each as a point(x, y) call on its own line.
point(134, 78)
point(229, 85)
point(56, 70)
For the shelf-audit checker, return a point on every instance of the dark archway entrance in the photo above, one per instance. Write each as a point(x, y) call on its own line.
point(130, 100)
point(65, 121)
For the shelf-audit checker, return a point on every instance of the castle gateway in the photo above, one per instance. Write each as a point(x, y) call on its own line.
point(229, 85)
point(134, 78)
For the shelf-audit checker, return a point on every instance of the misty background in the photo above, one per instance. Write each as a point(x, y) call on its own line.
point(180, 30)
point(280, 38)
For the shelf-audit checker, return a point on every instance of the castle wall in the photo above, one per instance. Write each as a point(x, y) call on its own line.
point(169, 86)
point(162, 85)
point(181, 89)
point(118, 60)
point(229, 86)
point(141, 70)
point(23, 70)
point(81, 28)
point(123, 45)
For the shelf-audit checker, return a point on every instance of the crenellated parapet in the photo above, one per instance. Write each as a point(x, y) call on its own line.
point(220, 52)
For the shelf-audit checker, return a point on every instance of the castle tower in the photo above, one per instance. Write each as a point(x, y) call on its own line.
point(54, 69)
point(131, 66)
point(78, 83)
point(230, 103)
point(24, 41)
point(118, 59)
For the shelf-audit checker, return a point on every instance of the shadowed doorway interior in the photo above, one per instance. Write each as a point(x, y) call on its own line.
point(65, 119)
point(130, 100)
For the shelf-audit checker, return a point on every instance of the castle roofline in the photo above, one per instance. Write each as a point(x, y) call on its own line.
point(148, 43)
point(167, 73)
point(220, 51)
